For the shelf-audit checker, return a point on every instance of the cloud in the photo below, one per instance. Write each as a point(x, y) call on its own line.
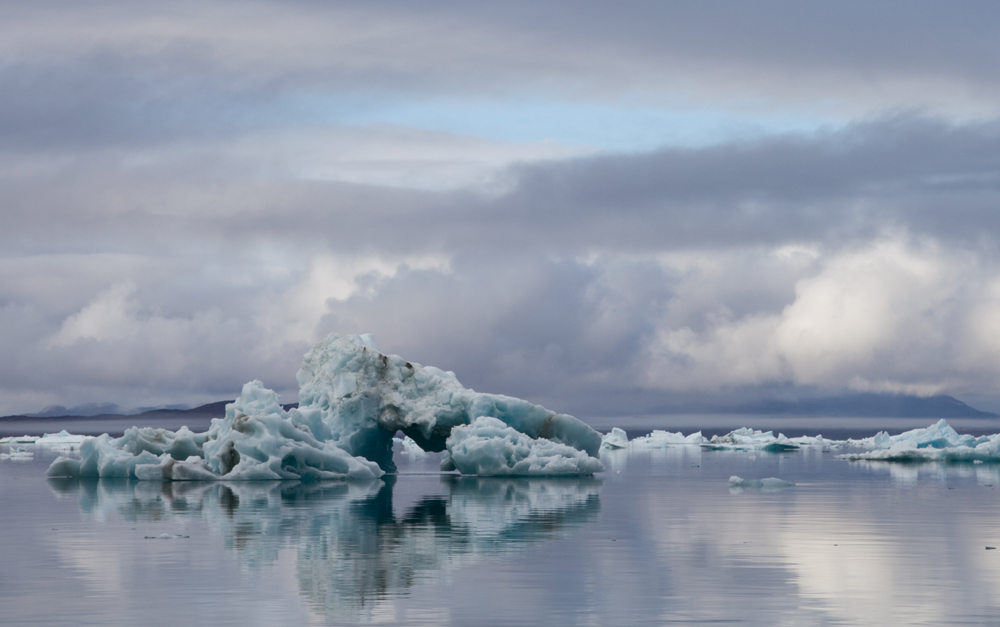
point(191, 196)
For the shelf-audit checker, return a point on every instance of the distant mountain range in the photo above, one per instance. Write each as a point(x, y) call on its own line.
point(99, 409)
point(853, 405)
point(868, 405)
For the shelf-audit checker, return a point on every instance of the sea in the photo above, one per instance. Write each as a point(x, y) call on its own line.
point(662, 537)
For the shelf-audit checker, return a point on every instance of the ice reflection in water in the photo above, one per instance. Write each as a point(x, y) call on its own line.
point(352, 549)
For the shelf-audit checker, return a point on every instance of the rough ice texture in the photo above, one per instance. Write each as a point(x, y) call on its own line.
point(352, 394)
point(490, 447)
point(352, 401)
point(257, 440)
point(771, 483)
point(938, 442)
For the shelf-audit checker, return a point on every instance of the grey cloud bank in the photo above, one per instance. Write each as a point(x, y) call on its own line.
point(187, 205)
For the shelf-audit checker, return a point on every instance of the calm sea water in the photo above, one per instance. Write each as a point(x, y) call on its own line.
point(660, 538)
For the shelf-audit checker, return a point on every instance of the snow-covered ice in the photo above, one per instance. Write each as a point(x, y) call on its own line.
point(352, 401)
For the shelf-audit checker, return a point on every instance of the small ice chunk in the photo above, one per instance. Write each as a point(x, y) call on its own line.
point(410, 448)
point(617, 438)
point(490, 447)
point(746, 439)
point(663, 439)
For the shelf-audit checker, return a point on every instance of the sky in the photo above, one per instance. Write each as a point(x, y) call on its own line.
point(607, 208)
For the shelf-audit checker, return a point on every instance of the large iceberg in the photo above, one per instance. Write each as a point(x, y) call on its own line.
point(353, 400)
point(352, 394)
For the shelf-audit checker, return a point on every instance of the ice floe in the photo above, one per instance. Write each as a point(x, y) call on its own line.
point(352, 401)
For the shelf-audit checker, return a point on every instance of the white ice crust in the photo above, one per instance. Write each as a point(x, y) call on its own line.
point(353, 399)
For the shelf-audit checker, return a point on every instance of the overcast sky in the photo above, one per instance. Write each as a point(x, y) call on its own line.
point(598, 206)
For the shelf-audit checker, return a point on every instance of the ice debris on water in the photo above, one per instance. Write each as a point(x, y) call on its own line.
point(352, 401)
point(938, 442)
point(743, 439)
point(62, 441)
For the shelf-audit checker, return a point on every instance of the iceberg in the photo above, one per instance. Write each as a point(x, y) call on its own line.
point(489, 447)
point(615, 439)
point(743, 439)
point(410, 448)
point(663, 439)
point(352, 401)
point(938, 442)
point(257, 440)
point(352, 394)
point(748, 439)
